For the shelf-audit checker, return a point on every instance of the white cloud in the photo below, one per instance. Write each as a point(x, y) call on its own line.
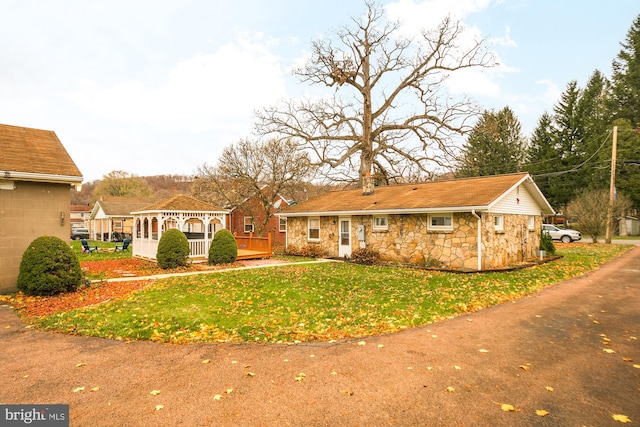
point(204, 92)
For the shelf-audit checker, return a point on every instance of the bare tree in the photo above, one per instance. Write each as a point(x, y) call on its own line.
point(251, 175)
point(590, 210)
point(394, 116)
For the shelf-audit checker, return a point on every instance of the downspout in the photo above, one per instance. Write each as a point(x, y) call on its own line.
point(473, 212)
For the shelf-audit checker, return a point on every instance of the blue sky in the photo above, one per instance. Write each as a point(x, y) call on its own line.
point(161, 87)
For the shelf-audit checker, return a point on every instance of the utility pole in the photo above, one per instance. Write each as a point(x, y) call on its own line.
point(612, 188)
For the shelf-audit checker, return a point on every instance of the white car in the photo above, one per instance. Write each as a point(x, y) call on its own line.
point(564, 235)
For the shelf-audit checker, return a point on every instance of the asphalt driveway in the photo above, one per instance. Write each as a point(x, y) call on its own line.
point(569, 350)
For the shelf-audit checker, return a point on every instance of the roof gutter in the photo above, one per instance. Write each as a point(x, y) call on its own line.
point(76, 181)
point(471, 209)
point(479, 218)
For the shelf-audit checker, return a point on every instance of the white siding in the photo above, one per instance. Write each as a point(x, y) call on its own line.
point(518, 201)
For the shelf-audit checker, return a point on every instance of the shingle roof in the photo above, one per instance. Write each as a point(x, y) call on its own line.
point(122, 206)
point(181, 203)
point(34, 151)
point(437, 195)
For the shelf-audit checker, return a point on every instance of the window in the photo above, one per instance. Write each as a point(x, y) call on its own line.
point(532, 222)
point(498, 222)
point(314, 229)
point(380, 222)
point(440, 222)
point(248, 224)
point(283, 224)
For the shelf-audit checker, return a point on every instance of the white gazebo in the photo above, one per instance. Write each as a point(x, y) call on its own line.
point(198, 220)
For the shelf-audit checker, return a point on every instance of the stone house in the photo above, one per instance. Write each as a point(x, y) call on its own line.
point(477, 223)
point(36, 173)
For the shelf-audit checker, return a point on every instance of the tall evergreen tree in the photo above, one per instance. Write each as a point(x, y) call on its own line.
point(543, 159)
point(625, 99)
point(495, 145)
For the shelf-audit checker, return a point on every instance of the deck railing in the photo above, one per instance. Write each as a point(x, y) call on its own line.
point(252, 243)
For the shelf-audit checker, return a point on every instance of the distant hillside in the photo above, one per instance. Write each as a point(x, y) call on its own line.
point(163, 186)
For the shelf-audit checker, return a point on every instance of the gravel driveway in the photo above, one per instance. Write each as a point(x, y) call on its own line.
point(569, 350)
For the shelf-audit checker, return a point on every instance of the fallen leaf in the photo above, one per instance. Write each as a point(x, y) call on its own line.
point(347, 392)
point(541, 412)
point(608, 350)
point(155, 392)
point(217, 397)
point(636, 366)
point(627, 359)
point(451, 389)
point(482, 350)
point(205, 361)
point(233, 362)
point(300, 376)
point(95, 389)
point(434, 336)
point(469, 320)
point(362, 343)
point(79, 365)
point(621, 418)
point(549, 388)
point(158, 407)
point(229, 391)
point(507, 408)
point(77, 389)
point(251, 374)
point(334, 373)
point(380, 345)
point(596, 322)
point(524, 367)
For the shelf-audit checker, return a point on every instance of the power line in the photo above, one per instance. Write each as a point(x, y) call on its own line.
point(575, 168)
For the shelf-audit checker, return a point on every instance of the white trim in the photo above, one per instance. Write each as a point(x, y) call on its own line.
point(498, 222)
point(380, 227)
point(309, 238)
point(457, 209)
point(41, 177)
point(440, 227)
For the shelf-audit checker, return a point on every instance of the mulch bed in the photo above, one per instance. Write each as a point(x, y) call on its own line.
point(102, 291)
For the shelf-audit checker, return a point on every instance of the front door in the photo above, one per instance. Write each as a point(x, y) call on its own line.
point(344, 237)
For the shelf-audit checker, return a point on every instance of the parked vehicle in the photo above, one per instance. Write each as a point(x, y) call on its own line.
point(564, 235)
point(79, 233)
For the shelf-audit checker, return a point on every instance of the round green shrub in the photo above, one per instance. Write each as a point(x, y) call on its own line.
point(49, 267)
point(173, 249)
point(224, 248)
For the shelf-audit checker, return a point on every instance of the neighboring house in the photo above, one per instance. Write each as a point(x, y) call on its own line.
point(35, 175)
point(240, 222)
point(111, 217)
point(197, 219)
point(478, 223)
point(80, 215)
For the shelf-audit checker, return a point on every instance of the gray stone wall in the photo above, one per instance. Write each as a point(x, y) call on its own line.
point(408, 240)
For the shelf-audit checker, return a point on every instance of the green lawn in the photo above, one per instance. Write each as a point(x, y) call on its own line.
point(313, 301)
point(105, 250)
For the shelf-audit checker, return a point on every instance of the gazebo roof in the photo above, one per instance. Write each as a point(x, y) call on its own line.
point(181, 203)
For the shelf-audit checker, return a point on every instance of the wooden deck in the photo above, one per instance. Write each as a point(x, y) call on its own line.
point(248, 254)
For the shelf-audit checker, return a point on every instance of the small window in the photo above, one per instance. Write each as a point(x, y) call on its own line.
point(380, 223)
point(532, 222)
point(117, 224)
point(283, 224)
point(498, 222)
point(440, 222)
point(248, 224)
point(314, 229)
